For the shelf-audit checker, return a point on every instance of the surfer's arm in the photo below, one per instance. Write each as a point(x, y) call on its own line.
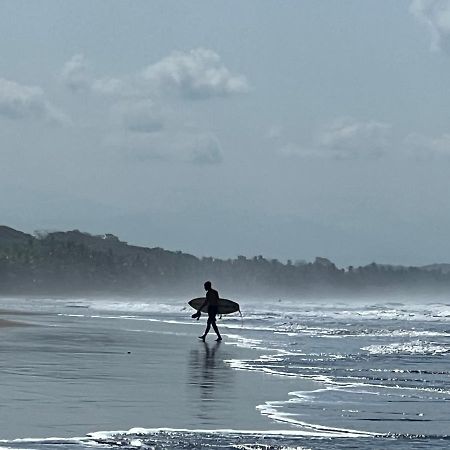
point(199, 311)
point(203, 305)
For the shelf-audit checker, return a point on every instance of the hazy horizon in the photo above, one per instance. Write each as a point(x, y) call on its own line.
point(285, 129)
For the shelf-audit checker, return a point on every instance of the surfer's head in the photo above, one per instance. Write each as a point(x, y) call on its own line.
point(207, 285)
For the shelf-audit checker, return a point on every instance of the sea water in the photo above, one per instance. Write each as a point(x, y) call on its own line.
point(327, 374)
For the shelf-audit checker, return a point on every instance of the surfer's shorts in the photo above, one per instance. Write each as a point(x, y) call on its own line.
point(213, 311)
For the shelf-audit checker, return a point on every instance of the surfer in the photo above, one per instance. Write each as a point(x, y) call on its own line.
point(212, 302)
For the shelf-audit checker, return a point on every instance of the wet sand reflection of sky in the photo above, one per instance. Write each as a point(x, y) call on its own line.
point(210, 381)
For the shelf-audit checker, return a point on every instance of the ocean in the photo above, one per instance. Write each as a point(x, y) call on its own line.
point(83, 373)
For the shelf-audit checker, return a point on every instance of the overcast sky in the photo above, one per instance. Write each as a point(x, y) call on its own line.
point(291, 129)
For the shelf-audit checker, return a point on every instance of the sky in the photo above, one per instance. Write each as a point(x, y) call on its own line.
point(290, 129)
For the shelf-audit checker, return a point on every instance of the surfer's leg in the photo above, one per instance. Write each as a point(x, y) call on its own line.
point(216, 329)
point(203, 336)
point(208, 327)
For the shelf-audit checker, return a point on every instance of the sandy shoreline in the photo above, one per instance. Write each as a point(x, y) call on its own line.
point(77, 374)
point(17, 312)
point(4, 323)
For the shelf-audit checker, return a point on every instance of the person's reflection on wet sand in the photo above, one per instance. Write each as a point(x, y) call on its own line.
point(206, 366)
point(212, 376)
point(210, 352)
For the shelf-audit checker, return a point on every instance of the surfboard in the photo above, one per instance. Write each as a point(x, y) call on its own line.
point(225, 306)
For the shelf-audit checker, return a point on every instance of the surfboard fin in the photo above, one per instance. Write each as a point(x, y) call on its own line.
point(196, 315)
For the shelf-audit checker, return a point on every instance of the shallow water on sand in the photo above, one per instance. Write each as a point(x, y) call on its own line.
point(302, 374)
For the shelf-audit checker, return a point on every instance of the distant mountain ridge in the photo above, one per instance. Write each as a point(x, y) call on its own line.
point(9, 236)
point(71, 262)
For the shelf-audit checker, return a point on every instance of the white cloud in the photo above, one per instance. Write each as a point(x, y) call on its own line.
point(196, 74)
point(344, 138)
point(18, 101)
point(435, 15)
point(76, 76)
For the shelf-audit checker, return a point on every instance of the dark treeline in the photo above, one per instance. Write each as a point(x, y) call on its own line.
point(68, 263)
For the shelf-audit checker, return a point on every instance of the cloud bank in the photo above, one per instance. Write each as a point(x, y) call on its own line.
point(192, 75)
point(347, 138)
point(136, 102)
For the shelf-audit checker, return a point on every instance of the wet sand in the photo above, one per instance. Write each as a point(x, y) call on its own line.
point(68, 376)
point(5, 323)
point(10, 323)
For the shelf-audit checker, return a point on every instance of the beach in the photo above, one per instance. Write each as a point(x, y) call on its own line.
point(132, 373)
point(64, 376)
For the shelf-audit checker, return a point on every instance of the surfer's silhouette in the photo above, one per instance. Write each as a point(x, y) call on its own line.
point(212, 302)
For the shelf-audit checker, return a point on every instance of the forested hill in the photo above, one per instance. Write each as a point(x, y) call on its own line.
point(77, 263)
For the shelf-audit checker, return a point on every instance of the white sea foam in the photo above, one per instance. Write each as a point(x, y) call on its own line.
point(273, 365)
point(299, 329)
point(52, 440)
point(367, 311)
point(243, 342)
point(265, 447)
point(120, 317)
point(139, 307)
point(407, 333)
point(223, 323)
point(326, 399)
point(416, 347)
point(267, 310)
point(309, 431)
point(270, 410)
